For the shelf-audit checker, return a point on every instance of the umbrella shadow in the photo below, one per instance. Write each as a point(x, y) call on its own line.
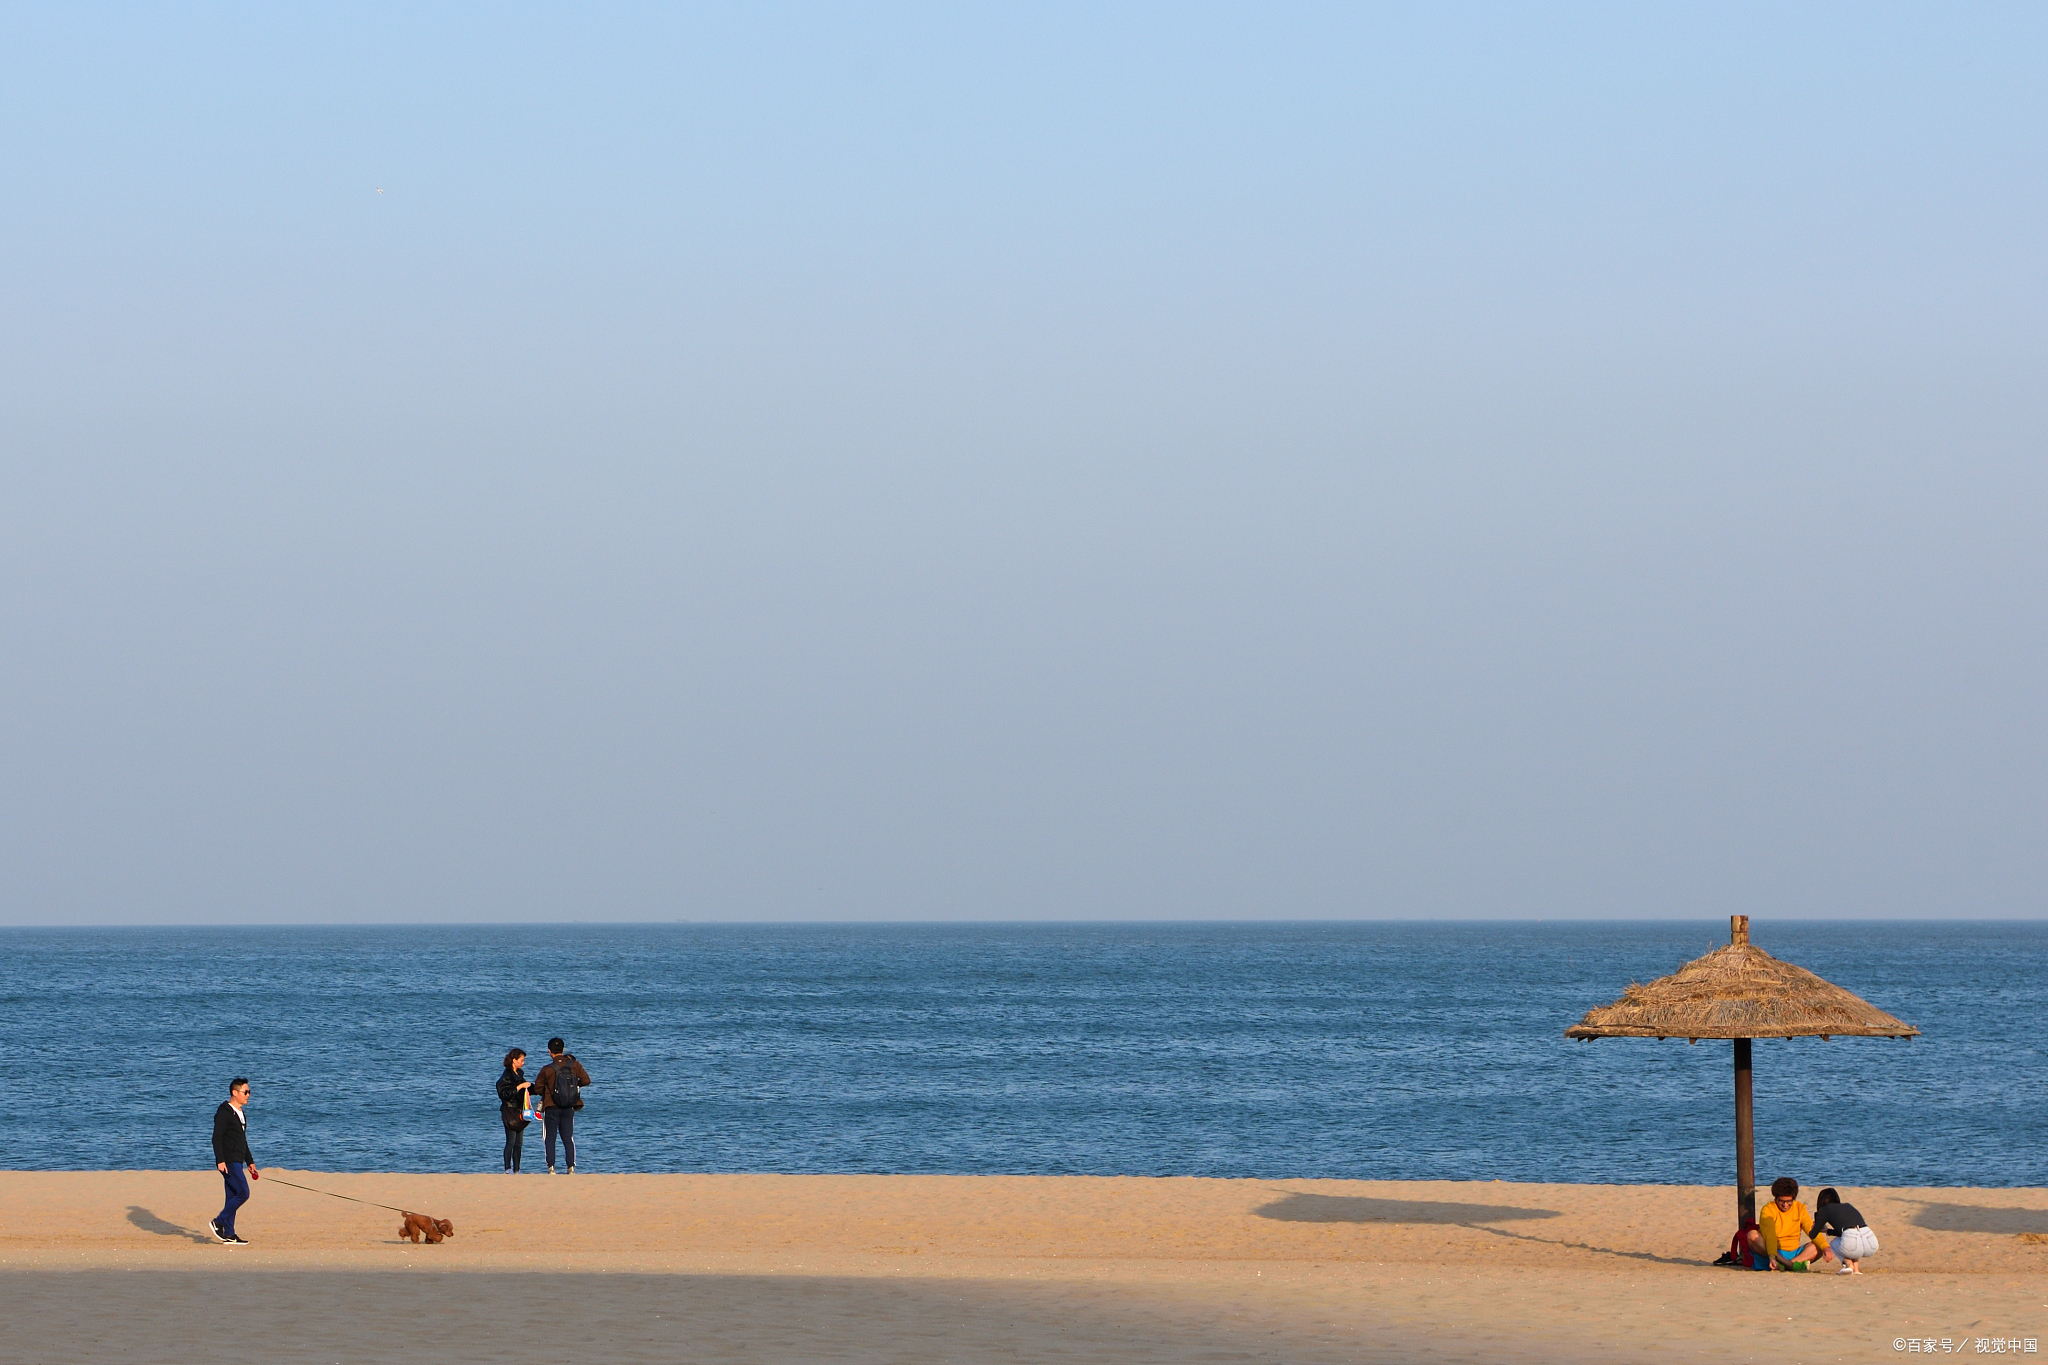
point(149, 1222)
point(1351, 1208)
point(1979, 1218)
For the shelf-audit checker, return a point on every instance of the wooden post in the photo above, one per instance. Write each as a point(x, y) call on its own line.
point(1745, 1114)
point(1745, 1139)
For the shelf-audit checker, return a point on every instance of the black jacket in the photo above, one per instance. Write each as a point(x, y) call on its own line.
point(1836, 1219)
point(230, 1137)
point(510, 1102)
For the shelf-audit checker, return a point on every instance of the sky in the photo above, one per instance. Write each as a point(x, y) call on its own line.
point(528, 463)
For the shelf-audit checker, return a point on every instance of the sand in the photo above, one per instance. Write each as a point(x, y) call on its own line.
point(103, 1266)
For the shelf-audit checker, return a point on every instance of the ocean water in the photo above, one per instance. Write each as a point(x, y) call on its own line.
point(1369, 1050)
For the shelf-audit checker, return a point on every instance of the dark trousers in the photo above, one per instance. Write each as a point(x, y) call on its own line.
point(515, 1140)
point(563, 1121)
point(238, 1195)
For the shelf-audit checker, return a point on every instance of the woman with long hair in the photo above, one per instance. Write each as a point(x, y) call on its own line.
point(512, 1088)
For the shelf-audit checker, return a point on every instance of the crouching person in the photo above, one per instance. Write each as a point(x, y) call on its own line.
point(1849, 1238)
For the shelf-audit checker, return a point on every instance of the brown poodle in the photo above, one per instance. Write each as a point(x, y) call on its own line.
point(416, 1224)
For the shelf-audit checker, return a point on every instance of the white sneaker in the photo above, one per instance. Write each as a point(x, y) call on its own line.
point(551, 1170)
point(572, 1170)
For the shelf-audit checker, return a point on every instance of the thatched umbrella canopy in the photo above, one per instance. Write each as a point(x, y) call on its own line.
point(1739, 992)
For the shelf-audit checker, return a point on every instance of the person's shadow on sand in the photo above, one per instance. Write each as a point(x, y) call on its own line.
point(1355, 1208)
point(149, 1222)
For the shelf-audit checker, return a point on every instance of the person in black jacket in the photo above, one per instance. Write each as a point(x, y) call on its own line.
point(512, 1088)
point(231, 1158)
point(1850, 1238)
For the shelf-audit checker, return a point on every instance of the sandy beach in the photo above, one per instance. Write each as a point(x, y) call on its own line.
point(105, 1266)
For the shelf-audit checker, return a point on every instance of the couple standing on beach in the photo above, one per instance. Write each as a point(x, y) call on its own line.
point(560, 1091)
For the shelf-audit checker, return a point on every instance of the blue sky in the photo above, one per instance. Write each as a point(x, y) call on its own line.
point(508, 463)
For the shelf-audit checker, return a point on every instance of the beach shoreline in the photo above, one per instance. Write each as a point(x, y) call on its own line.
point(862, 1267)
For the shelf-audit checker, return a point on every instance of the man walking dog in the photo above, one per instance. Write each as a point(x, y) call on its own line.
point(231, 1157)
point(561, 1094)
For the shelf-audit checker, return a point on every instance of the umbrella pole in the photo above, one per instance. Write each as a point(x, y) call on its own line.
point(1745, 1139)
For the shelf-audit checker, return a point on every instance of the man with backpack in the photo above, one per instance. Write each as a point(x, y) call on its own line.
point(561, 1095)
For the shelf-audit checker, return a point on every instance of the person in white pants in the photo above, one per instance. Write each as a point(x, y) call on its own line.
point(1850, 1239)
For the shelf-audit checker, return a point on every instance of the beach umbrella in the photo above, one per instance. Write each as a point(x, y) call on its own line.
point(1739, 992)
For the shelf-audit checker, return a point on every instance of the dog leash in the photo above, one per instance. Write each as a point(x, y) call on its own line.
point(332, 1195)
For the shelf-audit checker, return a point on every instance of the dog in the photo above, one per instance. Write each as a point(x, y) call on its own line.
point(418, 1224)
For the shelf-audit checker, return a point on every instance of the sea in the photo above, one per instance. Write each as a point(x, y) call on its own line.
point(1405, 1051)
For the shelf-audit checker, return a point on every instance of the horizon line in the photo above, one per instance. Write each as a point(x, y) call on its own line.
point(681, 922)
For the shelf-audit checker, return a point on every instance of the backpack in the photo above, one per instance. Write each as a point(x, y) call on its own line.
point(1738, 1253)
point(563, 1094)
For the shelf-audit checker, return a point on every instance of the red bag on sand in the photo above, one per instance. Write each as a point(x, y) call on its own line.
point(1738, 1252)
